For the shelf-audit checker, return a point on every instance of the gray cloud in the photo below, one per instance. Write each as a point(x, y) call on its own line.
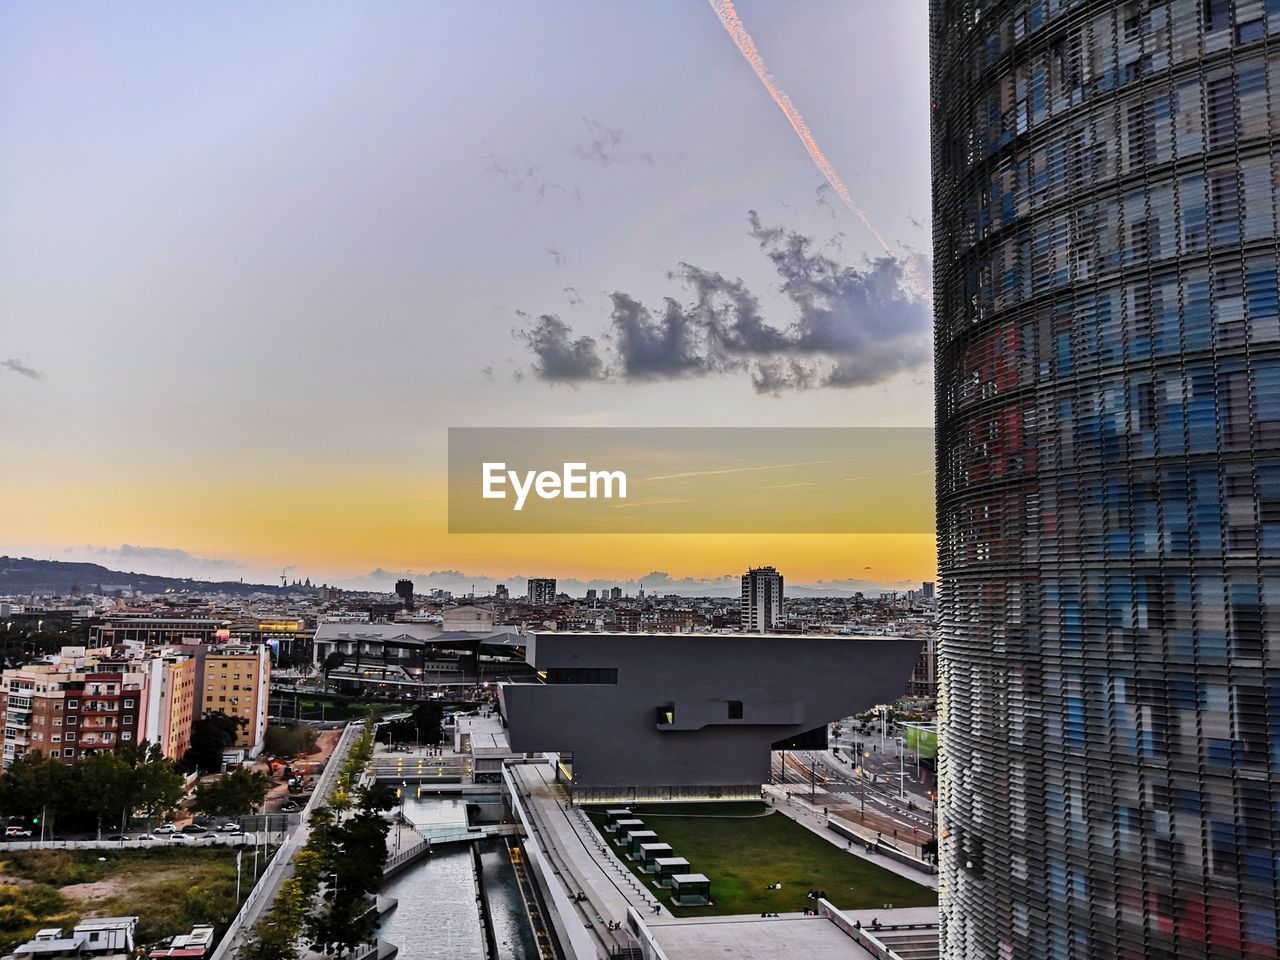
point(528, 179)
point(557, 256)
point(823, 193)
point(132, 552)
point(14, 365)
point(601, 146)
point(561, 357)
point(850, 326)
point(575, 298)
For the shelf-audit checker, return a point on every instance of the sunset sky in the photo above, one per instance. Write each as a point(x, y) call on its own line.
point(255, 260)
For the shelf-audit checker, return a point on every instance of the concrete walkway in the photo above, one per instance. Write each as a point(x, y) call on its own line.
point(812, 818)
point(581, 860)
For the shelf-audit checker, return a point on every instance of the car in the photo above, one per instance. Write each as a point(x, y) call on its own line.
point(235, 838)
point(165, 828)
point(12, 832)
point(119, 837)
point(179, 838)
point(194, 830)
point(229, 828)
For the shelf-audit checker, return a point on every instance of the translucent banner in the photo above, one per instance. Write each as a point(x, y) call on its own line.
point(692, 480)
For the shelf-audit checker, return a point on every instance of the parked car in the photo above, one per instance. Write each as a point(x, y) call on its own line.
point(233, 839)
point(165, 828)
point(179, 838)
point(117, 837)
point(194, 830)
point(229, 828)
point(12, 832)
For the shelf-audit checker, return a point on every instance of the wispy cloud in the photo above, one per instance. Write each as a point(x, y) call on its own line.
point(14, 365)
point(603, 146)
point(752, 469)
point(528, 178)
point(128, 552)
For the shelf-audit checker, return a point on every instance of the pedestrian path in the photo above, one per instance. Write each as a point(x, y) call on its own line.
point(812, 818)
point(594, 880)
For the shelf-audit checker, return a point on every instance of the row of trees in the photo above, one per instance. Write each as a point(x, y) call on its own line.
point(101, 789)
point(328, 902)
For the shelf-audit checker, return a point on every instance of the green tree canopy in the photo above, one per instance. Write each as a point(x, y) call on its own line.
point(235, 794)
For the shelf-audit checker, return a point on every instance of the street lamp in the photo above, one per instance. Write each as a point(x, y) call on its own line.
point(902, 771)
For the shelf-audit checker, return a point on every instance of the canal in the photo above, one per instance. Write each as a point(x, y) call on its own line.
point(437, 916)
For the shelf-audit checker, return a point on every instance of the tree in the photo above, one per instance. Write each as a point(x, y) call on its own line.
point(234, 794)
point(158, 787)
point(287, 741)
point(423, 724)
point(211, 736)
point(356, 856)
point(108, 785)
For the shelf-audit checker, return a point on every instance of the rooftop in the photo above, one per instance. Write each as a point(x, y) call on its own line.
point(754, 938)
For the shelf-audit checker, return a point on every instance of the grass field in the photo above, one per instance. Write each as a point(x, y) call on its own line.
point(168, 890)
point(742, 855)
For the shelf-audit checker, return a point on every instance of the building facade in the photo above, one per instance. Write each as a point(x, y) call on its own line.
point(761, 599)
point(1108, 426)
point(542, 590)
point(236, 680)
point(691, 716)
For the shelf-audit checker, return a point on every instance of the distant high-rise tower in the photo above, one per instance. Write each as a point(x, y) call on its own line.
point(404, 590)
point(615, 593)
point(500, 592)
point(1108, 429)
point(761, 599)
point(542, 590)
point(926, 590)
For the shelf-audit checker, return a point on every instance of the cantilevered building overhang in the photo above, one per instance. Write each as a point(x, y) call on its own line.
point(671, 716)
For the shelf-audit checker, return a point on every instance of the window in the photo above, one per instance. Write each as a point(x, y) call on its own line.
point(126, 735)
point(582, 675)
point(735, 709)
point(667, 714)
point(73, 704)
point(128, 703)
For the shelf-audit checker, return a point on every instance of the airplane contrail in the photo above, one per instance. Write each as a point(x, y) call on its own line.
point(729, 18)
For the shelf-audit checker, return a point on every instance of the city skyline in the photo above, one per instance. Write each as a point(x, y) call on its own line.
point(435, 185)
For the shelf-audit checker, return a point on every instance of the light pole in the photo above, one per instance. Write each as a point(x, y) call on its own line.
point(902, 771)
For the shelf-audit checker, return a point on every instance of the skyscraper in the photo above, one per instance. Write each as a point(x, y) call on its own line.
point(761, 599)
point(542, 590)
point(404, 590)
point(1108, 423)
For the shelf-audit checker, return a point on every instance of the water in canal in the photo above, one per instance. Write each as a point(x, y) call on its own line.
point(437, 917)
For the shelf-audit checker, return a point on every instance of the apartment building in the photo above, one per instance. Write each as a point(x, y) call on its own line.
point(71, 708)
point(236, 680)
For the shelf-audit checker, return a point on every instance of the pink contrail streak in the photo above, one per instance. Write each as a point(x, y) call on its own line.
point(729, 18)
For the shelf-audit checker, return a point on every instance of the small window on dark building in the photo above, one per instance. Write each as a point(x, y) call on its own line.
point(735, 709)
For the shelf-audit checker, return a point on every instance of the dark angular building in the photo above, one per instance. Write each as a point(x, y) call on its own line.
point(1108, 422)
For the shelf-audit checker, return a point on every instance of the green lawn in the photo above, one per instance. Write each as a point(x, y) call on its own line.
point(741, 855)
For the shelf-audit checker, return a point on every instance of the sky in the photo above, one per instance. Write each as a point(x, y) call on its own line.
point(256, 259)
